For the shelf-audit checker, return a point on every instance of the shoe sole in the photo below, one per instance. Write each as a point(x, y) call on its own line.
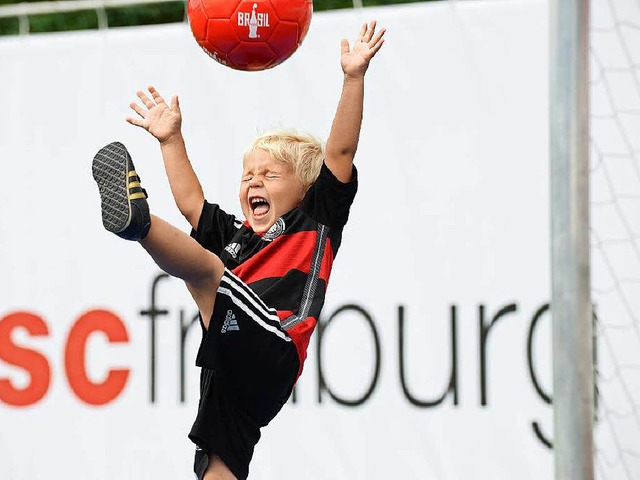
point(110, 173)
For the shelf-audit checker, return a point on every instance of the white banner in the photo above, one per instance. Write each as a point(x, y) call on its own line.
point(433, 362)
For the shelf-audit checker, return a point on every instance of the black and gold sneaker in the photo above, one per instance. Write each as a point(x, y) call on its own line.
point(125, 211)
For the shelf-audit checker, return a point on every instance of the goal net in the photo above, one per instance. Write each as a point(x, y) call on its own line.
point(615, 234)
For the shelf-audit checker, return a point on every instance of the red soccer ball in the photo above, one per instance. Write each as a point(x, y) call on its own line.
point(250, 34)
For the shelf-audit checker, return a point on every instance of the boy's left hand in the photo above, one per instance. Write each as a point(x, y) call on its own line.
point(355, 61)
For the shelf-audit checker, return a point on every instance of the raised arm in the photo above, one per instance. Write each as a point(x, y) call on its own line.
point(164, 123)
point(345, 130)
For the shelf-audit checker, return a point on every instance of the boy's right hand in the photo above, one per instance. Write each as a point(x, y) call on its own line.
point(159, 119)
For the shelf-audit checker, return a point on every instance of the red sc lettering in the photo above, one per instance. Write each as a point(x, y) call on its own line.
point(34, 363)
point(37, 365)
point(75, 356)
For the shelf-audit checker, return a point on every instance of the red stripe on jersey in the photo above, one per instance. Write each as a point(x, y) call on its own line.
point(284, 314)
point(285, 253)
point(327, 262)
point(301, 335)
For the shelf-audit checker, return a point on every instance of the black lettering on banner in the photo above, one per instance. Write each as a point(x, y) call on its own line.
point(184, 330)
point(484, 334)
point(452, 388)
point(530, 360)
point(322, 384)
point(534, 377)
point(152, 312)
point(541, 436)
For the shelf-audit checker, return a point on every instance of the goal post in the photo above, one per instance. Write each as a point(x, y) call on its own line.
point(572, 346)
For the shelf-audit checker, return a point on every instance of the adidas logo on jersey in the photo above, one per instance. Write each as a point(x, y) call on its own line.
point(233, 249)
point(230, 323)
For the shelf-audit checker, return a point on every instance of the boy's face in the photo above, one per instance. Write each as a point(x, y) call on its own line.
point(268, 190)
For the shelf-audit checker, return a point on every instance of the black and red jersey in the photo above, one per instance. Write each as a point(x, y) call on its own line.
point(289, 265)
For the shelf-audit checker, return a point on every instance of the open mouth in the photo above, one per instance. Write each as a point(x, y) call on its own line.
point(259, 206)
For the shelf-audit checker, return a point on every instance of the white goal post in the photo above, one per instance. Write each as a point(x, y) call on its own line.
point(573, 384)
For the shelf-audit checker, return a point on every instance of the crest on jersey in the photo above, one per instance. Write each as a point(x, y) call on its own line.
point(275, 231)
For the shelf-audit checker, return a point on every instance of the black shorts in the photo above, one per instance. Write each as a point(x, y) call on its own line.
point(249, 367)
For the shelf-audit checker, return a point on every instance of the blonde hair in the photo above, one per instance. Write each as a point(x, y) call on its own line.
point(304, 152)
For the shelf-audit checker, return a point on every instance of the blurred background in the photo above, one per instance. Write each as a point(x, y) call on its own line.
point(121, 14)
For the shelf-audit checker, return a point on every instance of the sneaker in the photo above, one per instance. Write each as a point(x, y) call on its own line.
point(125, 211)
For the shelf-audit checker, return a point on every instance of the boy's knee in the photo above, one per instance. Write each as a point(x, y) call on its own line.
point(209, 275)
point(204, 287)
point(217, 470)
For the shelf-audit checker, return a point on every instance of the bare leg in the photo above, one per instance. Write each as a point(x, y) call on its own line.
point(181, 256)
point(217, 470)
point(125, 212)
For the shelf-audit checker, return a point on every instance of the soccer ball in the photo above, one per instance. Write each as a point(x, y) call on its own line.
point(250, 34)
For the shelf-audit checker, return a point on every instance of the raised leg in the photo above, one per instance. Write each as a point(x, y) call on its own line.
point(181, 256)
point(125, 212)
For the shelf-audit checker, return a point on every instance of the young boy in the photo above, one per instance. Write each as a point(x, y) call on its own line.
point(259, 284)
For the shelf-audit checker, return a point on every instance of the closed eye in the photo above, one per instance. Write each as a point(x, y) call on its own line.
point(247, 179)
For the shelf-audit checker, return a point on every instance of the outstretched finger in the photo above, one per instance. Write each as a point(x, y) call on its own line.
point(376, 47)
point(135, 121)
point(138, 109)
point(377, 37)
point(370, 31)
point(156, 96)
point(175, 103)
point(344, 46)
point(363, 30)
point(145, 100)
